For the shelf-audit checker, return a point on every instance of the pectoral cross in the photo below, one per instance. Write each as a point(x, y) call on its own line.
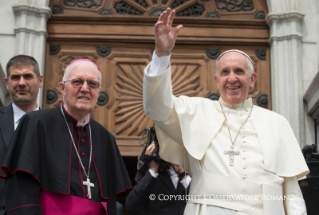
point(89, 185)
point(231, 154)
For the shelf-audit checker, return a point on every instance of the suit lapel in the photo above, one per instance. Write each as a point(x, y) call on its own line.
point(7, 124)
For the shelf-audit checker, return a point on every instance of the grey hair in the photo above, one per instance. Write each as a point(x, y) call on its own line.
point(68, 70)
point(249, 61)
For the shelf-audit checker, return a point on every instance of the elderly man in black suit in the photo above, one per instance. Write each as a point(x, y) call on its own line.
point(23, 82)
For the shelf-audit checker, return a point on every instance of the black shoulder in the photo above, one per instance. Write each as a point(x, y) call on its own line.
point(43, 114)
point(4, 109)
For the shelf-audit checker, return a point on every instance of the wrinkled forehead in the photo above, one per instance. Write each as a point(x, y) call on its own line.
point(235, 51)
point(23, 67)
point(83, 69)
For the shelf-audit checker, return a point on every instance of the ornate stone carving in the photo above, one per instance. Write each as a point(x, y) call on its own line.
point(193, 10)
point(103, 98)
point(105, 12)
point(54, 49)
point(83, 3)
point(65, 60)
point(103, 51)
point(142, 3)
point(234, 5)
point(178, 3)
point(259, 15)
point(57, 9)
point(212, 14)
point(213, 96)
point(212, 53)
point(52, 96)
point(262, 100)
point(261, 54)
point(124, 8)
point(156, 12)
point(130, 119)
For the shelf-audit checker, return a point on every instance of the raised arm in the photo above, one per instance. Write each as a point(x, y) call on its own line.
point(165, 37)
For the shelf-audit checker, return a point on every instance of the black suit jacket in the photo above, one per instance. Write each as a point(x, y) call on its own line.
point(6, 132)
point(139, 201)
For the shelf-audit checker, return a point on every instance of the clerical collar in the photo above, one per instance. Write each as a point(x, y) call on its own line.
point(245, 104)
point(18, 113)
point(72, 120)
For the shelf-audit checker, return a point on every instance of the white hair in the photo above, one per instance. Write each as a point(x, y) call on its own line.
point(249, 61)
point(68, 70)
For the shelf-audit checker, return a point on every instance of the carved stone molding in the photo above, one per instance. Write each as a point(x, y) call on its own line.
point(103, 98)
point(105, 11)
point(57, 9)
point(212, 14)
point(259, 15)
point(103, 51)
point(83, 3)
point(280, 31)
point(261, 54)
point(52, 96)
point(213, 96)
point(262, 100)
point(234, 5)
point(212, 53)
point(193, 10)
point(25, 13)
point(55, 49)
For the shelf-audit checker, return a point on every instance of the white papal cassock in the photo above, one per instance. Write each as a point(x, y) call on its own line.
point(192, 133)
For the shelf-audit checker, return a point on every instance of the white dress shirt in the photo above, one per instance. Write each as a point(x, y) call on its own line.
point(18, 113)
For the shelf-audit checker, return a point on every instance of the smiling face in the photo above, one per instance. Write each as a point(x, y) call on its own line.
point(23, 85)
point(234, 79)
point(80, 100)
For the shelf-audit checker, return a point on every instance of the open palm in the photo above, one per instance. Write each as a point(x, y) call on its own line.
point(165, 38)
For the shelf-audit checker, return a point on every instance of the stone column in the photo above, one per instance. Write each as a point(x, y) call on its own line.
point(31, 31)
point(284, 21)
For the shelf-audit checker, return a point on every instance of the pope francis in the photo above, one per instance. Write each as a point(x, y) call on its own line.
point(243, 159)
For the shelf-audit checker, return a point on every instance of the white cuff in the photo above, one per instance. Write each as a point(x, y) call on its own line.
point(158, 64)
point(185, 182)
point(153, 173)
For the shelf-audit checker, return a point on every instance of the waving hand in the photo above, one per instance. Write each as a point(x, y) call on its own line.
point(165, 37)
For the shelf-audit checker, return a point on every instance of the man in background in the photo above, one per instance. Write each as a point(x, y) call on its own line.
point(160, 180)
point(60, 161)
point(23, 83)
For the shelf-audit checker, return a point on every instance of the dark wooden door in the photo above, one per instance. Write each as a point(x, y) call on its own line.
point(118, 36)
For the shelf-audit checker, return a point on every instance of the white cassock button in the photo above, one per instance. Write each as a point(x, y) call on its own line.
point(244, 177)
point(244, 167)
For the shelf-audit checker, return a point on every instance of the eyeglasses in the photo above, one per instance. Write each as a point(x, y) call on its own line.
point(78, 82)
